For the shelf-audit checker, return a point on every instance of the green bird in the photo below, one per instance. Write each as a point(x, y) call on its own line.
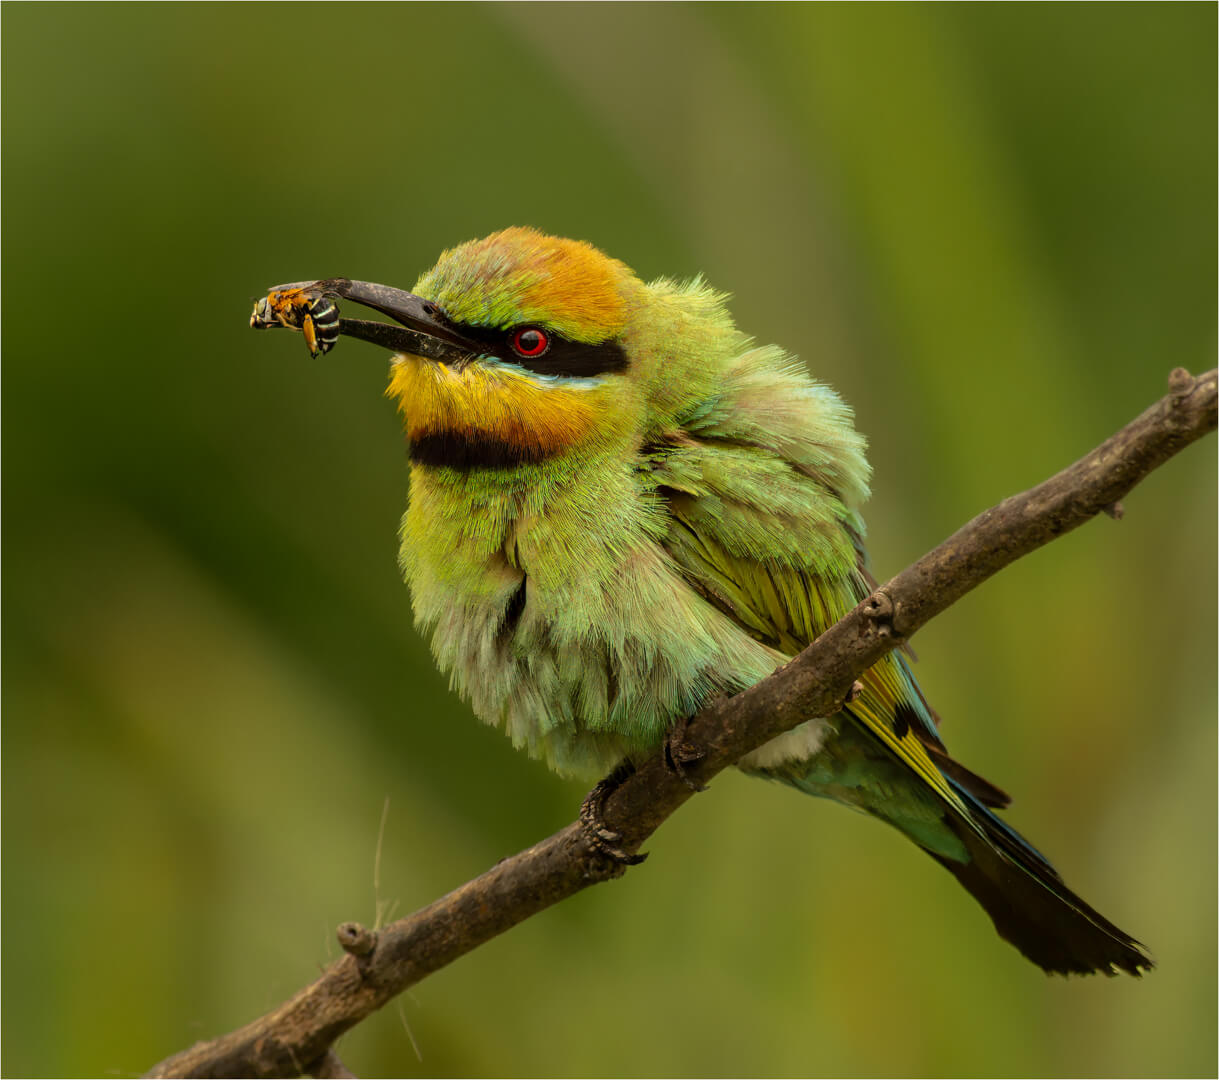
point(621, 507)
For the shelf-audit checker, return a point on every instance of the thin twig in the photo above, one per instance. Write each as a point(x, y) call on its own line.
point(380, 965)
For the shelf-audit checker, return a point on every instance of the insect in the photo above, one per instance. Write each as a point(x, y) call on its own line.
point(300, 306)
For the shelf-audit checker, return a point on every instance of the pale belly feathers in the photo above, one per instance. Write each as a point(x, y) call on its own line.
point(584, 651)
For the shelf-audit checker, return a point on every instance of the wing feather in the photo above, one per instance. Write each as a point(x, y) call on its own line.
point(787, 593)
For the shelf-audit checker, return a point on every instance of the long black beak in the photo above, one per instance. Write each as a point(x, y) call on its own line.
point(308, 305)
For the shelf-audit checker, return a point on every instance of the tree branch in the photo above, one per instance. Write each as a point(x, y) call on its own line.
point(297, 1036)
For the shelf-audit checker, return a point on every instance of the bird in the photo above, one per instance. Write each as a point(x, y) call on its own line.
point(621, 507)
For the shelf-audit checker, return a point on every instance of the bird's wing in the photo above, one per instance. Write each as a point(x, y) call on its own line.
point(775, 550)
point(759, 489)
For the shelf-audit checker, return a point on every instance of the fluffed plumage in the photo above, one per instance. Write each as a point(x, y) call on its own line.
point(654, 510)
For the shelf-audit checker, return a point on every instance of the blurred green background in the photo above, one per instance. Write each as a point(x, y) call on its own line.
point(990, 227)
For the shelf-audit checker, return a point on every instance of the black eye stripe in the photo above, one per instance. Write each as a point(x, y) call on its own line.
point(570, 359)
point(575, 359)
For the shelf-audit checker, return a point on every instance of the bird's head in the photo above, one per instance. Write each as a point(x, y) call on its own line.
point(522, 347)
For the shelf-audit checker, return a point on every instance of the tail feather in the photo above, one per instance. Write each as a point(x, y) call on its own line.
point(1033, 910)
point(890, 772)
point(969, 782)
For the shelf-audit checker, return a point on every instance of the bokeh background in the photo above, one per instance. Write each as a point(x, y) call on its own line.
point(991, 227)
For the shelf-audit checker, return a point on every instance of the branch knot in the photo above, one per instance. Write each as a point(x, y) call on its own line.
point(1180, 384)
point(880, 609)
point(356, 939)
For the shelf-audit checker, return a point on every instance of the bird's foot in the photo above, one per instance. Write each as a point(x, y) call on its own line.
point(679, 753)
point(592, 818)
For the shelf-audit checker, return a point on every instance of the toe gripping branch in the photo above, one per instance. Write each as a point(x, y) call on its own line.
point(678, 753)
point(592, 818)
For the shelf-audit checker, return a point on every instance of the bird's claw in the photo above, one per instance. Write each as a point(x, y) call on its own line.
point(679, 753)
point(600, 837)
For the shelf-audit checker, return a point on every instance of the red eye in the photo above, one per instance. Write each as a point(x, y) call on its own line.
point(529, 341)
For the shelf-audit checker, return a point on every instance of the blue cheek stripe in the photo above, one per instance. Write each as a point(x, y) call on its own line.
point(579, 382)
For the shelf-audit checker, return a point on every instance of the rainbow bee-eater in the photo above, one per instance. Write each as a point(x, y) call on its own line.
point(620, 507)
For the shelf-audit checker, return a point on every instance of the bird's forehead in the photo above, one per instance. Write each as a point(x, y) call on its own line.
point(522, 276)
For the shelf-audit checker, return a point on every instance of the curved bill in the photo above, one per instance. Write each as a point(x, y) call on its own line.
point(422, 329)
